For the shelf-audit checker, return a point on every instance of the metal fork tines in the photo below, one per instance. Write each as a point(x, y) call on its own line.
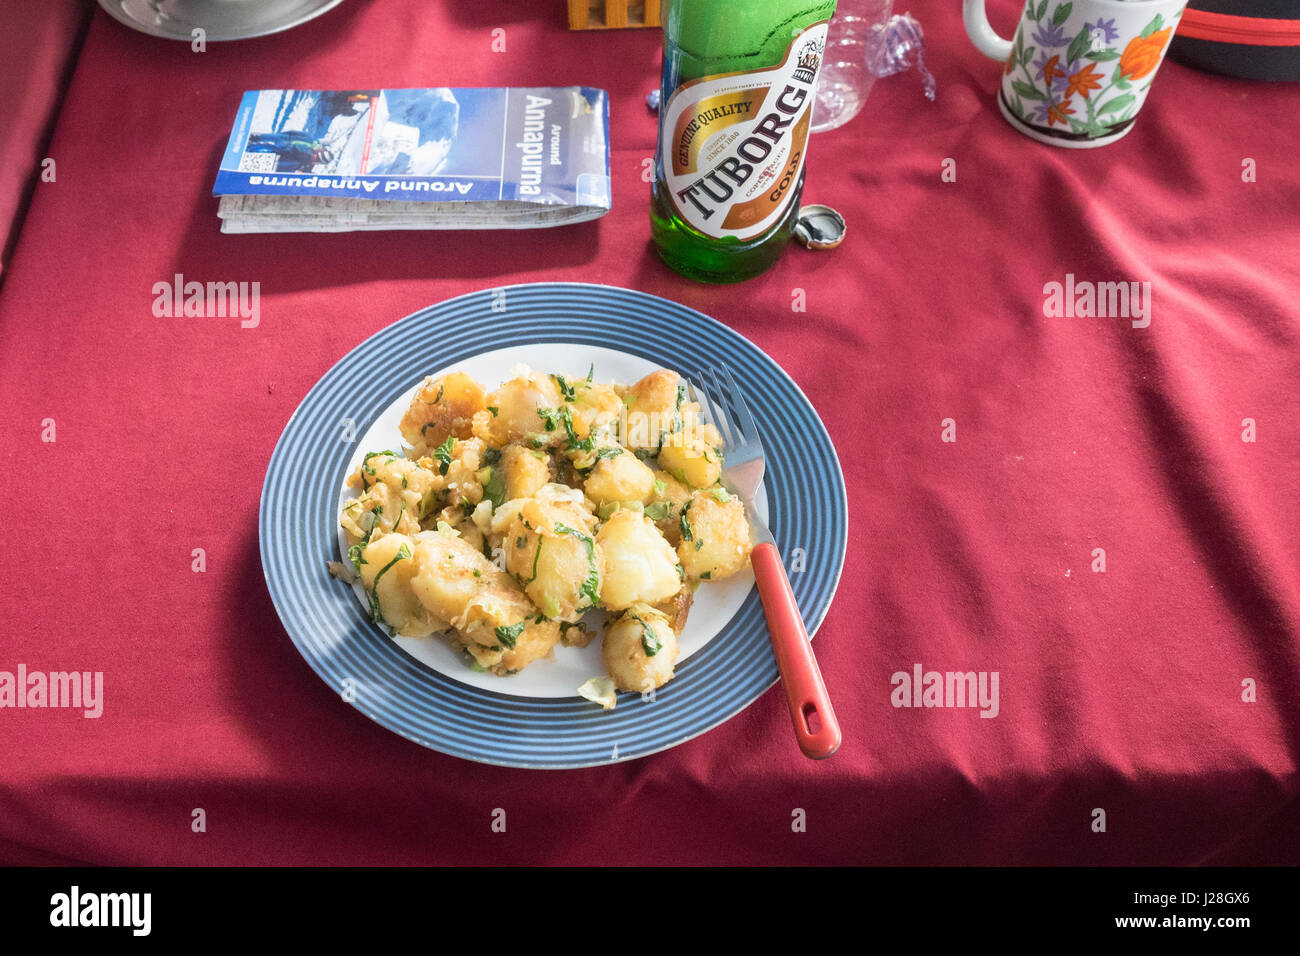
point(722, 405)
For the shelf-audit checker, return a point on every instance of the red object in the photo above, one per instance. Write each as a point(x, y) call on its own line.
point(815, 726)
point(1227, 28)
point(370, 129)
point(1078, 440)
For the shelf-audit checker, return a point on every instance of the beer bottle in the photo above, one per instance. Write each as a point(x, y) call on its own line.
point(739, 81)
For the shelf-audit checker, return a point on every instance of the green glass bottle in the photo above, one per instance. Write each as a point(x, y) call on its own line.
point(739, 81)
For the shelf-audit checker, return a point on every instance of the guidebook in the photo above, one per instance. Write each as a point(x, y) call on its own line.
point(343, 160)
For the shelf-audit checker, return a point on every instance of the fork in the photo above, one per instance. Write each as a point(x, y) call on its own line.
point(815, 726)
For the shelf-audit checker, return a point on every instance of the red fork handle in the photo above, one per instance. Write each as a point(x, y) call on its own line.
point(810, 705)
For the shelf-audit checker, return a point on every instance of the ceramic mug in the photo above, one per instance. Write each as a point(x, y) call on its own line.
point(1078, 71)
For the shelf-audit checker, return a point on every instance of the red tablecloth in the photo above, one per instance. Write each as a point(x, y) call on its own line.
point(39, 42)
point(1119, 690)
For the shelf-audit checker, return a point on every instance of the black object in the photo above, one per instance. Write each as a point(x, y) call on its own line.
point(1255, 39)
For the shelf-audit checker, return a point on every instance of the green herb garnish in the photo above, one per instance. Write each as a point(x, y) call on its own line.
point(508, 635)
point(376, 614)
point(566, 390)
point(495, 488)
point(601, 455)
point(650, 642)
point(379, 510)
point(591, 586)
point(365, 462)
point(550, 416)
point(536, 554)
point(443, 454)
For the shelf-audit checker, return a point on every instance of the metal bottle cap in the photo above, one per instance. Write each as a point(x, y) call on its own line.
point(819, 227)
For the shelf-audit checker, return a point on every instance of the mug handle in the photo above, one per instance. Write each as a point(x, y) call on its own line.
point(981, 33)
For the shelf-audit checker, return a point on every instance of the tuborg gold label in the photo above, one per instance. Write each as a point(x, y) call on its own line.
point(734, 144)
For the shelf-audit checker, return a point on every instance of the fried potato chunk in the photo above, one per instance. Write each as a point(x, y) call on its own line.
point(690, 459)
point(652, 410)
point(639, 565)
point(443, 407)
point(668, 497)
point(458, 584)
point(535, 641)
point(387, 565)
point(551, 551)
point(618, 475)
point(526, 471)
point(524, 409)
point(715, 541)
point(640, 650)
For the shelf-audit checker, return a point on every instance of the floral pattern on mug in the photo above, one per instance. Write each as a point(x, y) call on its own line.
point(1067, 85)
point(1142, 55)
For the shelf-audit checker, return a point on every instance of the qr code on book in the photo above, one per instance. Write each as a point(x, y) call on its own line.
point(257, 162)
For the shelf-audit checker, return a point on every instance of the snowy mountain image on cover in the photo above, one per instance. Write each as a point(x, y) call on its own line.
point(393, 132)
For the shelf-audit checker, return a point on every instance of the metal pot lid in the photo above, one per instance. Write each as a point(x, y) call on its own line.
point(219, 19)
